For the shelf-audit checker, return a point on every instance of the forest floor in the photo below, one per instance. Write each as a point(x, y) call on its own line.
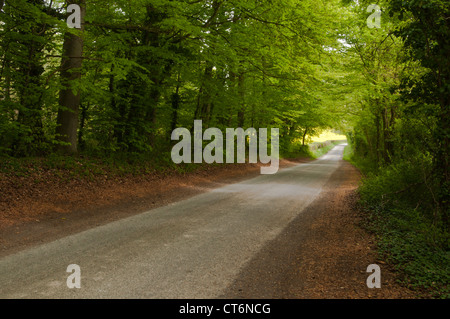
point(323, 253)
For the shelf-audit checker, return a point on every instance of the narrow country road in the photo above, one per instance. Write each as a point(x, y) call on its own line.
point(194, 248)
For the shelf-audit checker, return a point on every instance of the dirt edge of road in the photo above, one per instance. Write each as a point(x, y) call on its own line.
point(322, 254)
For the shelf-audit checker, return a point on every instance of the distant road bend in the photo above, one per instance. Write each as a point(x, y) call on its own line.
point(194, 248)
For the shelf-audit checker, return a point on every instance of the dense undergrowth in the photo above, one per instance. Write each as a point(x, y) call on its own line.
point(399, 202)
point(313, 150)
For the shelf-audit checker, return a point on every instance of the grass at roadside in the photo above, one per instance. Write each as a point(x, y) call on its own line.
point(312, 151)
point(409, 237)
point(348, 153)
point(324, 148)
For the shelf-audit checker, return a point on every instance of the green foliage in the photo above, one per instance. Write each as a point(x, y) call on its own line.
point(313, 151)
point(416, 247)
point(401, 209)
point(399, 134)
point(348, 153)
point(245, 63)
point(405, 183)
point(323, 148)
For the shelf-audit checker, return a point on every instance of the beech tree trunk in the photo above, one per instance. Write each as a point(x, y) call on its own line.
point(69, 101)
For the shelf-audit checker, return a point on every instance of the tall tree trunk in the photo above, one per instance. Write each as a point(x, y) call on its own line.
point(377, 142)
point(175, 105)
point(304, 136)
point(150, 115)
point(204, 103)
point(442, 161)
point(69, 101)
point(84, 110)
point(386, 136)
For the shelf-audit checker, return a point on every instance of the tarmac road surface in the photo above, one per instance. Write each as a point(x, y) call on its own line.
point(194, 248)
